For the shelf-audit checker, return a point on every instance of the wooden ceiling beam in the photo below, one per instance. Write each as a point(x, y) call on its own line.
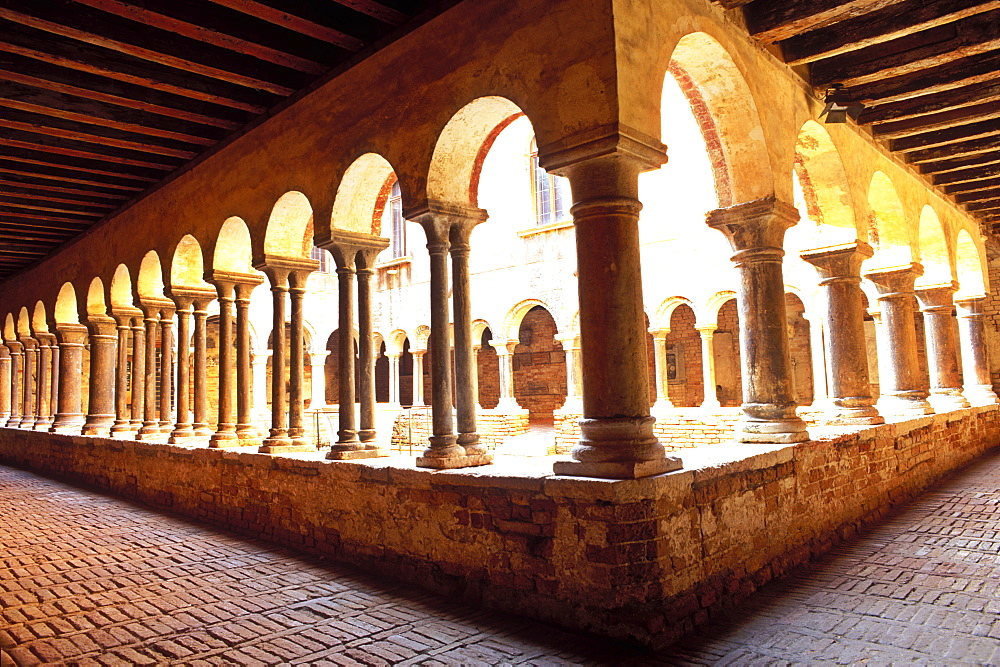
point(158, 81)
point(958, 149)
point(941, 120)
point(980, 195)
point(34, 184)
point(202, 34)
point(891, 22)
point(82, 220)
point(9, 223)
point(971, 36)
point(981, 206)
point(9, 202)
point(972, 186)
point(63, 175)
point(966, 175)
point(86, 137)
point(981, 68)
point(928, 104)
point(951, 164)
point(775, 20)
point(44, 146)
point(8, 189)
point(376, 10)
point(289, 21)
point(72, 165)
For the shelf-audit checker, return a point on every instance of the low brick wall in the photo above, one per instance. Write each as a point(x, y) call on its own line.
point(643, 560)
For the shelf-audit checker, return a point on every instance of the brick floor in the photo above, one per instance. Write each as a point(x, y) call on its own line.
point(91, 580)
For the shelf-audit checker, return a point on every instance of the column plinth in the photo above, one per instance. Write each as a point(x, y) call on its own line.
point(977, 386)
point(756, 232)
point(850, 400)
point(941, 331)
point(617, 439)
point(69, 411)
point(899, 375)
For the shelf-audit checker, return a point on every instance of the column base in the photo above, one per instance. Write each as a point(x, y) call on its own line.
point(946, 400)
point(121, 427)
point(617, 469)
point(470, 441)
point(780, 429)
point(203, 431)
point(42, 425)
point(710, 405)
point(180, 435)
point(980, 395)
point(96, 431)
point(367, 435)
point(67, 424)
point(453, 462)
point(284, 449)
point(27, 424)
point(852, 411)
point(908, 404)
point(357, 454)
point(166, 427)
point(226, 439)
point(13, 422)
point(618, 440)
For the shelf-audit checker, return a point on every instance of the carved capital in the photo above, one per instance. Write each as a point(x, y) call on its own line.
point(757, 225)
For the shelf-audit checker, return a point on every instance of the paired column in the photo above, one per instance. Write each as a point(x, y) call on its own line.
point(899, 372)
point(418, 377)
point(296, 389)
point(942, 347)
point(151, 424)
point(710, 394)
point(247, 382)
point(69, 411)
point(355, 257)
point(617, 439)
point(138, 372)
point(103, 344)
point(4, 384)
point(16, 382)
point(166, 366)
point(505, 358)
point(978, 387)
point(756, 232)
point(662, 384)
point(225, 434)
point(29, 385)
point(182, 430)
point(123, 413)
point(850, 399)
point(200, 366)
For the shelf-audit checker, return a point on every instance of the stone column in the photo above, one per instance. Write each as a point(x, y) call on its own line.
point(103, 341)
point(151, 423)
point(505, 358)
point(347, 434)
point(899, 377)
point(44, 411)
point(462, 222)
point(317, 363)
point(366, 353)
point(756, 232)
point(710, 399)
point(16, 382)
point(277, 439)
point(296, 358)
point(226, 433)
point(138, 373)
point(69, 412)
point(259, 384)
point(4, 384)
point(166, 365)
point(617, 439)
point(817, 351)
point(978, 388)
point(418, 377)
point(53, 381)
point(662, 377)
point(247, 381)
point(200, 372)
point(29, 385)
point(850, 399)
point(182, 430)
point(574, 394)
point(123, 416)
point(393, 379)
point(475, 374)
point(942, 348)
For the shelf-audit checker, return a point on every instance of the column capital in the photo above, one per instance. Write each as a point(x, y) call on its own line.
point(706, 329)
point(569, 341)
point(46, 338)
point(125, 314)
point(16, 347)
point(278, 268)
point(101, 325)
point(321, 354)
point(4, 352)
point(895, 280)
point(659, 333)
point(191, 295)
point(446, 221)
point(755, 226)
point(345, 245)
point(937, 298)
point(505, 346)
point(28, 342)
point(154, 307)
point(838, 262)
point(71, 333)
point(615, 141)
point(970, 306)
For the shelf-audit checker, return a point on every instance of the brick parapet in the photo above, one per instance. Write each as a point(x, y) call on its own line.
point(646, 560)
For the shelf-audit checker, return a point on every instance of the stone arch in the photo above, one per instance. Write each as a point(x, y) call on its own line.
point(9, 330)
point(512, 321)
point(539, 365)
point(361, 196)
point(39, 320)
point(150, 281)
point(96, 304)
point(121, 287)
point(66, 310)
point(233, 247)
point(394, 342)
point(727, 114)
point(23, 322)
point(421, 335)
point(187, 268)
point(462, 146)
point(819, 171)
point(710, 313)
point(290, 227)
point(666, 311)
point(933, 247)
point(888, 231)
point(478, 327)
point(969, 263)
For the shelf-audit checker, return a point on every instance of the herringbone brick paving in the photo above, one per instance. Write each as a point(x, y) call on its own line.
point(91, 580)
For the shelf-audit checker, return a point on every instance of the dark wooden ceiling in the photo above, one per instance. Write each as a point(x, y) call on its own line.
point(102, 99)
point(926, 71)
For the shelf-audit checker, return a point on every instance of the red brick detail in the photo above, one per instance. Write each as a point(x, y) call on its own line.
point(709, 131)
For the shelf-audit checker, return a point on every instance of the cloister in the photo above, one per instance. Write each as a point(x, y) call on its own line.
point(643, 235)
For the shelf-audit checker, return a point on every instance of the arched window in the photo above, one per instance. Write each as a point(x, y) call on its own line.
point(323, 257)
point(551, 193)
point(398, 225)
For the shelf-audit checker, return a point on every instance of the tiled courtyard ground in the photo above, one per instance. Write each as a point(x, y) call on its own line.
point(87, 579)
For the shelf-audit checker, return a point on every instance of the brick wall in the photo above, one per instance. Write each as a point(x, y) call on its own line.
point(645, 560)
point(488, 367)
point(686, 344)
point(539, 367)
point(729, 322)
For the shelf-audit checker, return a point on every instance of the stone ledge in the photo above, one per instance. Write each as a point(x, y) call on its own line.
point(450, 463)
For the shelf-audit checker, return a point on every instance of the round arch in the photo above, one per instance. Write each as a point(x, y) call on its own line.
point(96, 304)
point(361, 196)
point(39, 320)
point(888, 230)
point(233, 247)
point(512, 321)
point(290, 227)
point(66, 310)
point(969, 262)
point(150, 281)
point(822, 181)
point(121, 287)
point(9, 330)
point(187, 267)
point(394, 342)
point(666, 310)
point(713, 305)
point(933, 248)
point(23, 322)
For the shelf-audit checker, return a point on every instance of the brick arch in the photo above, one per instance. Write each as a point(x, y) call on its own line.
point(666, 311)
point(512, 321)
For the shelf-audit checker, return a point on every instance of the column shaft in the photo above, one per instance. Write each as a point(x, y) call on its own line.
point(366, 359)
point(29, 386)
point(942, 348)
point(101, 410)
point(977, 385)
point(182, 431)
point(278, 436)
point(662, 383)
point(69, 415)
point(246, 381)
point(393, 379)
point(138, 374)
point(226, 431)
point(4, 385)
point(710, 398)
point(296, 399)
point(123, 417)
point(151, 424)
point(466, 395)
point(418, 377)
point(166, 367)
point(347, 433)
point(16, 380)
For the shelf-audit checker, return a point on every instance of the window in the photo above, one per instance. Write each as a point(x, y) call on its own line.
point(394, 209)
point(323, 257)
point(551, 193)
